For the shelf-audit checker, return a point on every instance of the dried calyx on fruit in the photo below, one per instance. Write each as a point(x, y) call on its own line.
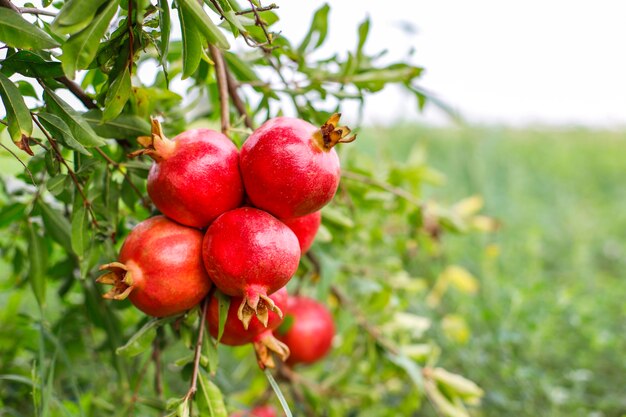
point(195, 177)
point(289, 166)
point(250, 254)
point(256, 333)
point(310, 330)
point(159, 268)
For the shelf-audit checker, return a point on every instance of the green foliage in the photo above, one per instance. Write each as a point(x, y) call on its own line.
point(66, 209)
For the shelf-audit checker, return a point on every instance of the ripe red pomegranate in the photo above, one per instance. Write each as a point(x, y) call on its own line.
point(257, 333)
point(195, 177)
point(159, 269)
point(289, 166)
point(262, 411)
point(250, 254)
point(311, 333)
point(305, 228)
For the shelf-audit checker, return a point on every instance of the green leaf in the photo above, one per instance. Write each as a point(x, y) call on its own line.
point(18, 115)
point(81, 48)
point(27, 89)
point(60, 131)
point(192, 44)
point(117, 96)
point(11, 213)
point(142, 339)
point(212, 396)
point(335, 216)
point(165, 24)
point(224, 305)
point(76, 15)
point(123, 127)
point(80, 129)
point(57, 226)
point(38, 254)
point(17, 32)
point(210, 351)
point(204, 24)
point(318, 30)
point(56, 185)
point(364, 29)
point(278, 392)
point(80, 227)
point(32, 65)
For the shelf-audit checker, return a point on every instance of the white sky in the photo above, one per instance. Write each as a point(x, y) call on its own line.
point(515, 62)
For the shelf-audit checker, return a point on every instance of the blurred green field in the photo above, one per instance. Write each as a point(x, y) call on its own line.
point(548, 323)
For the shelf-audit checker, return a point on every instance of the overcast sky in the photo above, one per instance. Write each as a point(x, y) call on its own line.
point(496, 61)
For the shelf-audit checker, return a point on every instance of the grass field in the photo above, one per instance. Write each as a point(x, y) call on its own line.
point(549, 322)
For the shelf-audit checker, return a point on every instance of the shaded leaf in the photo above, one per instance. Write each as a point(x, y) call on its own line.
point(123, 127)
point(80, 129)
point(57, 226)
point(17, 32)
point(56, 184)
point(30, 64)
point(141, 340)
point(38, 254)
point(192, 43)
point(117, 96)
point(203, 23)
point(212, 396)
point(80, 227)
point(165, 25)
point(224, 305)
point(76, 15)
point(18, 115)
point(60, 131)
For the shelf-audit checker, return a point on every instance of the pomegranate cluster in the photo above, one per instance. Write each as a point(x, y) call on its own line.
point(238, 221)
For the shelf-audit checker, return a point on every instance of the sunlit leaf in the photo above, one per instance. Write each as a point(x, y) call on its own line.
point(17, 32)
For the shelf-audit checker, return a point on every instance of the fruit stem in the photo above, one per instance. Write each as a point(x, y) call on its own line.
point(119, 277)
point(264, 345)
point(330, 134)
point(157, 146)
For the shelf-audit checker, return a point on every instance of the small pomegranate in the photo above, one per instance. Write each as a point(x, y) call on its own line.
point(305, 228)
point(159, 269)
point(250, 254)
point(257, 333)
point(195, 177)
point(289, 166)
point(311, 333)
point(262, 411)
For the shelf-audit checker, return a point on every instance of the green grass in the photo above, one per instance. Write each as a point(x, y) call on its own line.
point(548, 324)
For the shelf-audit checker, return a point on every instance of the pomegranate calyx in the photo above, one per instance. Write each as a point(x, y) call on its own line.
point(119, 277)
point(157, 146)
point(259, 305)
point(264, 345)
point(330, 134)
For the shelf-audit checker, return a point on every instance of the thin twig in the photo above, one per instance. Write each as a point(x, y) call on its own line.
point(32, 10)
point(385, 186)
point(7, 4)
point(77, 91)
point(237, 101)
point(259, 22)
point(222, 83)
point(193, 387)
point(30, 174)
point(116, 165)
point(71, 172)
point(258, 9)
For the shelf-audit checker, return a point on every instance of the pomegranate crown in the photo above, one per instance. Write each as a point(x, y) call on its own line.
point(156, 146)
point(330, 134)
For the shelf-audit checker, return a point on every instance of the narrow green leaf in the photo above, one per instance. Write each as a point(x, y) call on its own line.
point(11, 213)
point(278, 392)
point(60, 131)
point(165, 24)
point(117, 96)
point(204, 24)
point(32, 65)
point(80, 228)
point(18, 115)
point(224, 305)
point(26, 89)
point(76, 15)
point(123, 127)
point(56, 184)
point(364, 29)
point(212, 396)
point(192, 44)
point(335, 216)
point(57, 226)
point(141, 340)
point(17, 32)
point(38, 254)
point(210, 351)
point(81, 48)
point(318, 30)
point(16, 378)
point(80, 129)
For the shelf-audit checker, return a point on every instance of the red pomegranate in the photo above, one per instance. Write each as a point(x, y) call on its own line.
point(311, 333)
point(250, 254)
point(305, 228)
point(159, 269)
point(289, 166)
point(257, 333)
point(262, 411)
point(195, 177)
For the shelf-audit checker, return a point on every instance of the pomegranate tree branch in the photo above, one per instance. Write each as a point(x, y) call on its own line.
point(32, 10)
point(222, 84)
point(144, 201)
point(72, 174)
point(237, 101)
point(7, 4)
point(257, 9)
point(197, 354)
point(78, 92)
point(259, 22)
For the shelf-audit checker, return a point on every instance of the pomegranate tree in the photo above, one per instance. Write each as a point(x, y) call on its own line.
point(250, 254)
point(289, 166)
point(159, 268)
point(195, 176)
